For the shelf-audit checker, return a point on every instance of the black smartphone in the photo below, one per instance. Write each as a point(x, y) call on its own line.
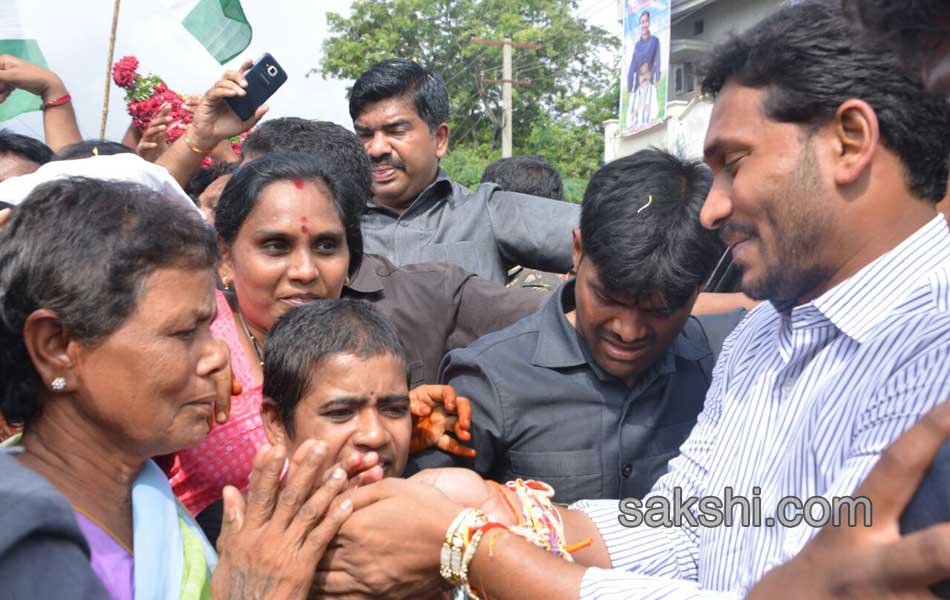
point(263, 79)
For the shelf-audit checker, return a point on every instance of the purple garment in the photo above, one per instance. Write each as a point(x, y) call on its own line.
point(110, 561)
point(644, 51)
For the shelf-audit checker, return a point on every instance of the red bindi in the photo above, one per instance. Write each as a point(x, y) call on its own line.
point(304, 229)
point(298, 183)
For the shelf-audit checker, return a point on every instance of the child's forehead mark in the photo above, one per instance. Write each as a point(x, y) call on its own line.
point(303, 226)
point(298, 183)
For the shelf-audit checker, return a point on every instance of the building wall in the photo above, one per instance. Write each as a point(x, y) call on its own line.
point(685, 125)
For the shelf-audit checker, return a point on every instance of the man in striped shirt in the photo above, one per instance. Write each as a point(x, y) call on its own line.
point(827, 160)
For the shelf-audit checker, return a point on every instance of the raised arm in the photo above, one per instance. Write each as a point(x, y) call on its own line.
point(59, 119)
point(214, 122)
point(534, 232)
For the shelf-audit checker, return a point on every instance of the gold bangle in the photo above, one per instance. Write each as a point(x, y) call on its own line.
point(195, 148)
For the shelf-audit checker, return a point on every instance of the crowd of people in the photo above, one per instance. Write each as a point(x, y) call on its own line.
point(324, 368)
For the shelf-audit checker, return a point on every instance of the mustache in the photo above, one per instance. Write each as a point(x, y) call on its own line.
point(731, 231)
point(388, 160)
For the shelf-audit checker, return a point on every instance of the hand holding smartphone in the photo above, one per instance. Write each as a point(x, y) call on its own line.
point(263, 79)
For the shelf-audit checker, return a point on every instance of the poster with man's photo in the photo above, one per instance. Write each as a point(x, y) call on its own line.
point(645, 67)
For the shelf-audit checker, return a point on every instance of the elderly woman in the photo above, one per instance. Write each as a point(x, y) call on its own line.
point(107, 359)
point(289, 234)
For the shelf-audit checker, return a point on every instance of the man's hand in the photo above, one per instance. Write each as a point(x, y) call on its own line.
point(270, 544)
point(877, 562)
point(436, 410)
point(389, 547)
point(16, 73)
point(214, 120)
point(467, 488)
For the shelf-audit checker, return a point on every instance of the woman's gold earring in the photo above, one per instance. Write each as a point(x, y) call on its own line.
point(227, 283)
point(347, 280)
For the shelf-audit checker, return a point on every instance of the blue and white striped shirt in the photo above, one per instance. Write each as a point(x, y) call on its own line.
point(802, 404)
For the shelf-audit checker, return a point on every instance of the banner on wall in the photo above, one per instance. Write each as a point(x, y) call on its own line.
point(644, 71)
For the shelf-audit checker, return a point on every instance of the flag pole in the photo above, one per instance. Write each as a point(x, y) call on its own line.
point(105, 103)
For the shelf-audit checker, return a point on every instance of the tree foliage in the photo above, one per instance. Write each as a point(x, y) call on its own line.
point(558, 115)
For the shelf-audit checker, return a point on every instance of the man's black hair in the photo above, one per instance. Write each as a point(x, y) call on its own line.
point(810, 58)
point(909, 26)
point(240, 195)
point(640, 227)
point(90, 148)
point(206, 176)
point(526, 175)
point(397, 78)
point(83, 248)
point(889, 19)
point(304, 336)
point(25, 147)
point(334, 145)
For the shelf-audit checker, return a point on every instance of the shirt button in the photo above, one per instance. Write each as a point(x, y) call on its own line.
point(627, 471)
point(403, 224)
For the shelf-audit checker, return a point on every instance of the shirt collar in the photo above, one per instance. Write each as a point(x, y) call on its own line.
point(560, 345)
point(858, 304)
point(440, 188)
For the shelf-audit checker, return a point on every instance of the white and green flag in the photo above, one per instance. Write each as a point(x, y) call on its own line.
point(15, 40)
point(220, 25)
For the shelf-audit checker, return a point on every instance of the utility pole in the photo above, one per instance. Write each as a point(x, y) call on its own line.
point(506, 82)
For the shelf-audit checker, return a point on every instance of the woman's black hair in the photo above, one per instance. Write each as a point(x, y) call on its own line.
point(242, 192)
point(83, 248)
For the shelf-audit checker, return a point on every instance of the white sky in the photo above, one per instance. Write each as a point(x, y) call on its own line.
point(74, 37)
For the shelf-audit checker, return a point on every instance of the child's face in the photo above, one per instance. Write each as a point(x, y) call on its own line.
point(645, 73)
point(353, 404)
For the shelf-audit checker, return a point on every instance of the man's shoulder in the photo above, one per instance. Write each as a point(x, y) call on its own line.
point(514, 345)
point(422, 274)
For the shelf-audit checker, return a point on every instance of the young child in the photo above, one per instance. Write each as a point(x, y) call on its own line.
point(335, 370)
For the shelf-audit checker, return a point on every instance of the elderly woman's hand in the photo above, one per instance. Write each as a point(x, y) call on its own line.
point(271, 543)
point(436, 410)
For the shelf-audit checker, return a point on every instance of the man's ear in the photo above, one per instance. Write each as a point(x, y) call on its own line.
point(51, 348)
point(577, 247)
point(856, 135)
point(441, 140)
point(273, 423)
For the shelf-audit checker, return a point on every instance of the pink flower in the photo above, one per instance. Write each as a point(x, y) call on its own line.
point(123, 72)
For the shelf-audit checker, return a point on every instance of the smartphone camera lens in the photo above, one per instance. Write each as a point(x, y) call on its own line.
point(272, 70)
